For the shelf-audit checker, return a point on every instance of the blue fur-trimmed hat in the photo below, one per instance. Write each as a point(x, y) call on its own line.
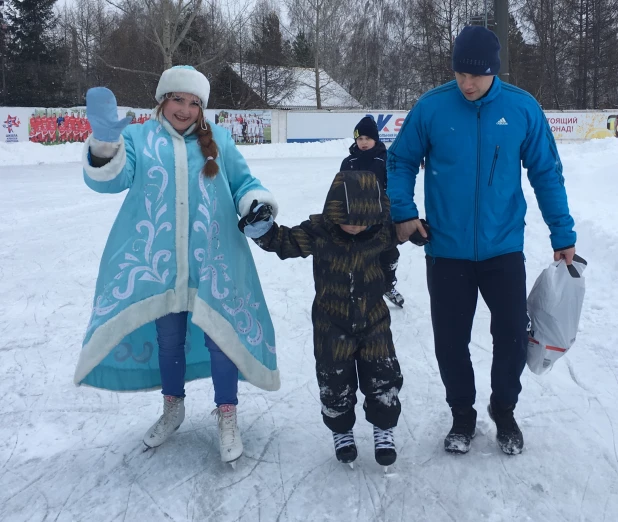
point(183, 78)
point(477, 51)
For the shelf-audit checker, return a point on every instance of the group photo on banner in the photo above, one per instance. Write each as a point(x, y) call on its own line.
point(55, 126)
point(246, 127)
point(139, 115)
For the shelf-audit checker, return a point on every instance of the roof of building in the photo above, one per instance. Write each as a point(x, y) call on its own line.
point(300, 89)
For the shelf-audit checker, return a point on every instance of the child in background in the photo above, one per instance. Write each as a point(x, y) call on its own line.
point(369, 153)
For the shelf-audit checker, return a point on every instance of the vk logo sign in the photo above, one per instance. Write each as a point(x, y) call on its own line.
point(386, 124)
point(383, 119)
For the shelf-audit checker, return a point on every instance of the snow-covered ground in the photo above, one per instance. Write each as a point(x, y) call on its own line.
point(75, 454)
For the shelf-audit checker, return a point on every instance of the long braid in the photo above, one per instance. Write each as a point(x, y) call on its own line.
point(208, 146)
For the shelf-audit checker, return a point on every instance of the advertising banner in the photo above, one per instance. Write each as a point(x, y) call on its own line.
point(14, 124)
point(582, 125)
point(324, 126)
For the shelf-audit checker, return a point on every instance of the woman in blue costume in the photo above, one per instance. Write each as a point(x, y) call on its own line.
point(178, 296)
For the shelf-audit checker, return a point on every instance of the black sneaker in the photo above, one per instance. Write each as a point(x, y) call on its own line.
point(345, 447)
point(463, 431)
point(510, 438)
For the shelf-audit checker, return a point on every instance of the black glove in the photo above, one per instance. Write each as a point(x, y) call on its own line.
point(417, 238)
point(258, 220)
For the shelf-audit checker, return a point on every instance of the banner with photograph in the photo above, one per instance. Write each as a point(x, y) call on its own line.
point(54, 126)
point(139, 115)
point(250, 127)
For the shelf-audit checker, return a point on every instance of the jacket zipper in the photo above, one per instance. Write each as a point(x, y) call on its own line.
point(478, 180)
point(493, 165)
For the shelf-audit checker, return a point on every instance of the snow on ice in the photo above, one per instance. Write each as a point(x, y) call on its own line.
point(75, 454)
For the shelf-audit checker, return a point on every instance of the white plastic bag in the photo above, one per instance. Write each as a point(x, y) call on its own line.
point(554, 306)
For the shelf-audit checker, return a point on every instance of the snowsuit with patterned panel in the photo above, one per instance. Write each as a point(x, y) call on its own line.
point(352, 338)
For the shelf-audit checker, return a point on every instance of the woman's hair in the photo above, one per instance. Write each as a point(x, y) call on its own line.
point(207, 143)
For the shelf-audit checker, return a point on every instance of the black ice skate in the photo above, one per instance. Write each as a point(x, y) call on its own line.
point(345, 447)
point(385, 451)
point(394, 297)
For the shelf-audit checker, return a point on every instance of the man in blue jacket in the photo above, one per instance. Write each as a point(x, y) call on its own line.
point(475, 133)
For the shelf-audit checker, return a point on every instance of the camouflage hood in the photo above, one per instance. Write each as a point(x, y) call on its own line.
point(355, 198)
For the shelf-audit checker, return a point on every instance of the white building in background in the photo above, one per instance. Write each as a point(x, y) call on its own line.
point(293, 88)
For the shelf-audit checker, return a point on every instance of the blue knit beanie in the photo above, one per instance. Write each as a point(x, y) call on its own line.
point(477, 51)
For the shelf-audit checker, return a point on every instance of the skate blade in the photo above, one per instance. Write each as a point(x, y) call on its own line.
point(233, 463)
point(148, 448)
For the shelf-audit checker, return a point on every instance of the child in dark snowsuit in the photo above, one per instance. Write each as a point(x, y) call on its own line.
point(352, 338)
point(369, 153)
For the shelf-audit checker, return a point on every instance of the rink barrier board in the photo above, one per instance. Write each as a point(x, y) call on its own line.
point(61, 125)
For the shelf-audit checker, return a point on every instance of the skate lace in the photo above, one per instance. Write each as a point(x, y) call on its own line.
point(170, 409)
point(393, 294)
point(227, 426)
point(343, 439)
point(383, 439)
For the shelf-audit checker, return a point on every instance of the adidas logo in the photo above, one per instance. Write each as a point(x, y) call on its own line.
point(501, 121)
point(488, 71)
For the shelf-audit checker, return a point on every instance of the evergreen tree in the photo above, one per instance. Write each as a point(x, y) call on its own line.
point(267, 46)
point(523, 60)
point(302, 52)
point(30, 26)
point(35, 73)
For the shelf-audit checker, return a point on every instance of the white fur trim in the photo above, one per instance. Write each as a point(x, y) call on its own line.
point(109, 171)
point(181, 176)
point(226, 338)
point(103, 149)
point(110, 334)
point(178, 79)
point(262, 196)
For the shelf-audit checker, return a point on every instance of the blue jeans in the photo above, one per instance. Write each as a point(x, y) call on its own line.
point(171, 335)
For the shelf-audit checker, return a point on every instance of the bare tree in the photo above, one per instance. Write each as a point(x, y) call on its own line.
point(168, 21)
point(317, 18)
